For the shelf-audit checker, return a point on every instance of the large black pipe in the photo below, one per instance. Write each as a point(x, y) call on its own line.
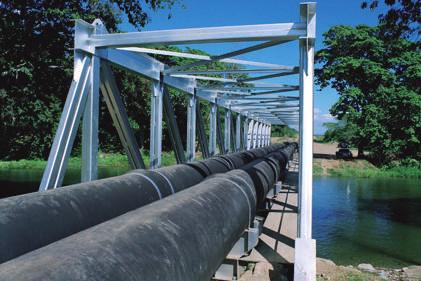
point(182, 237)
point(31, 221)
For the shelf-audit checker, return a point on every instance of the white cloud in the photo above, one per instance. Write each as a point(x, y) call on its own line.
point(319, 119)
point(322, 117)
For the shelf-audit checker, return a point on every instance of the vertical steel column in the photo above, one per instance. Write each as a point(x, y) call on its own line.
point(90, 126)
point(246, 133)
point(267, 135)
point(238, 133)
point(242, 143)
point(305, 246)
point(250, 135)
point(212, 128)
point(260, 135)
point(191, 128)
point(67, 127)
point(219, 135)
point(268, 140)
point(263, 135)
point(204, 147)
point(227, 131)
point(90, 119)
point(232, 139)
point(155, 145)
point(173, 129)
point(255, 133)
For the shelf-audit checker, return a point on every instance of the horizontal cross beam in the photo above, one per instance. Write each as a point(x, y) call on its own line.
point(242, 33)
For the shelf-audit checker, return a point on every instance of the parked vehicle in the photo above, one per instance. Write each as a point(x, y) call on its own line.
point(344, 152)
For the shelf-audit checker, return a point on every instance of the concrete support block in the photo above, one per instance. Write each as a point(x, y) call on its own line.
point(305, 260)
point(230, 269)
point(246, 243)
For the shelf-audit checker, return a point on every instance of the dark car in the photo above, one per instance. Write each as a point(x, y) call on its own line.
point(343, 152)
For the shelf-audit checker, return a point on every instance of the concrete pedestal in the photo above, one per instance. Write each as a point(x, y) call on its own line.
point(305, 260)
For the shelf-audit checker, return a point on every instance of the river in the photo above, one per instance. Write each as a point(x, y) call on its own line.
point(375, 221)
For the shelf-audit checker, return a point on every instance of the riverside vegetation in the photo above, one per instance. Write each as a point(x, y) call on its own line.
point(360, 168)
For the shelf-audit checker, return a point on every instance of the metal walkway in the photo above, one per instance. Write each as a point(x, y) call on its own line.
point(273, 257)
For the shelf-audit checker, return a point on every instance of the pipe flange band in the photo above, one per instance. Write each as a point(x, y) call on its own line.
point(168, 181)
point(152, 182)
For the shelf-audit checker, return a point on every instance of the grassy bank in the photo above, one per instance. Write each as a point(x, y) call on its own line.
point(321, 167)
point(360, 169)
point(104, 160)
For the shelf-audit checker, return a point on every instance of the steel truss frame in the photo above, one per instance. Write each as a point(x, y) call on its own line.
point(255, 105)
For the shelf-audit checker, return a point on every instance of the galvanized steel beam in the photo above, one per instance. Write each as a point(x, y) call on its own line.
point(173, 129)
point(228, 55)
point(89, 167)
point(155, 143)
point(191, 128)
point(305, 246)
point(227, 131)
point(268, 66)
point(212, 128)
point(67, 128)
point(203, 142)
point(238, 133)
point(119, 116)
point(241, 33)
point(220, 136)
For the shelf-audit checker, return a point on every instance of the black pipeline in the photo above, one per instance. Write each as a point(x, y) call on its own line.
point(31, 221)
point(185, 236)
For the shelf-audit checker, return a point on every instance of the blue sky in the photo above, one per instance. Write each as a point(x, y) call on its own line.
point(201, 13)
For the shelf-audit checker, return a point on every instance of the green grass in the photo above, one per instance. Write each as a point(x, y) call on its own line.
point(360, 277)
point(359, 169)
point(317, 169)
point(319, 139)
point(104, 160)
point(349, 276)
point(365, 170)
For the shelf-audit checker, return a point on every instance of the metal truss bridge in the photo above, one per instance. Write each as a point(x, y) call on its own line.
point(254, 103)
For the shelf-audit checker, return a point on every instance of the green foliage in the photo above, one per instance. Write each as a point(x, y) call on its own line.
point(36, 65)
point(403, 19)
point(283, 131)
point(113, 160)
point(340, 132)
point(378, 82)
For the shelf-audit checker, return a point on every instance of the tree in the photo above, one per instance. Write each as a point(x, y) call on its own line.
point(402, 20)
point(283, 131)
point(341, 131)
point(377, 79)
point(36, 64)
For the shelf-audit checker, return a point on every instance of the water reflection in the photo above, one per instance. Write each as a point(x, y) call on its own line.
point(368, 220)
point(20, 181)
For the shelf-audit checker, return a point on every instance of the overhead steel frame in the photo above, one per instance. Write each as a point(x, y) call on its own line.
point(259, 104)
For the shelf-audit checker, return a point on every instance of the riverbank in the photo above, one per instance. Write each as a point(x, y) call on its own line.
point(321, 167)
point(360, 168)
point(326, 164)
point(108, 160)
point(328, 270)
